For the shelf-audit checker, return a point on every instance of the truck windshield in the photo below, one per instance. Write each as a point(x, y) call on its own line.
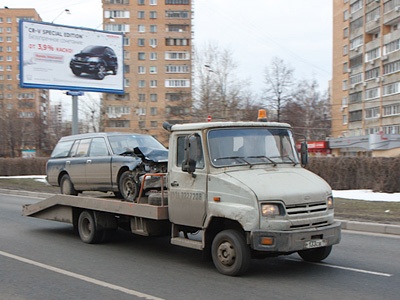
point(249, 146)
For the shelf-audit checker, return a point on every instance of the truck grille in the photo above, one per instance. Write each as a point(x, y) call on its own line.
point(307, 208)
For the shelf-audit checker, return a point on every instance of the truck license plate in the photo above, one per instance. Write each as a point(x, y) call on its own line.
point(315, 244)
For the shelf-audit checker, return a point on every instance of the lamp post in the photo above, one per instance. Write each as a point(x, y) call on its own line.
point(67, 11)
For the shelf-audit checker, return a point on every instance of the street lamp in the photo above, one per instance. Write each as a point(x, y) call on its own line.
point(64, 11)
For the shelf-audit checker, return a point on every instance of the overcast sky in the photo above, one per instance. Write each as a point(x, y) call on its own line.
point(299, 32)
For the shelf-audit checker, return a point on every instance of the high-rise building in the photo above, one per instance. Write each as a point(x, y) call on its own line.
point(23, 112)
point(366, 78)
point(157, 65)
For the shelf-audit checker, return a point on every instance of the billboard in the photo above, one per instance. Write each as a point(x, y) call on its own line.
point(70, 58)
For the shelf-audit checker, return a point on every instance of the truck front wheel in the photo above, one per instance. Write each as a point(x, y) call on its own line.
point(87, 228)
point(315, 255)
point(230, 253)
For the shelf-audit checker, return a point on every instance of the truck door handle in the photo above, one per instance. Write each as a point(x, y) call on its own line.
point(89, 161)
point(174, 183)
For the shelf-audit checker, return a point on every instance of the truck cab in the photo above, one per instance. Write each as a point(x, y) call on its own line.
point(243, 187)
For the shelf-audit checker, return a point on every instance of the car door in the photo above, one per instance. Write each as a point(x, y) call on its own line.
point(76, 164)
point(187, 202)
point(98, 165)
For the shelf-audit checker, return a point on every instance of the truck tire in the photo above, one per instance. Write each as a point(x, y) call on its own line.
point(87, 228)
point(127, 186)
point(230, 253)
point(66, 186)
point(315, 255)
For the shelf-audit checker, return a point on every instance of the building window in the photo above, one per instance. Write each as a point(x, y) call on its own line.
point(153, 124)
point(127, 41)
point(177, 55)
point(141, 111)
point(391, 47)
point(142, 97)
point(141, 70)
point(117, 14)
point(176, 42)
point(141, 28)
point(346, 32)
point(371, 113)
point(141, 14)
point(355, 116)
point(355, 97)
point(141, 56)
point(153, 28)
point(153, 83)
point(392, 67)
point(356, 61)
point(153, 70)
point(356, 42)
point(153, 43)
point(391, 129)
point(177, 14)
point(356, 24)
point(356, 6)
point(373, 15)
point(119, 123)
point(180, 69)
point(153, 55)
point(344, 85)
point(344, 119)
point(141, 83)
point(372, 54)
point(372, 93)
point(391, 110)
point(390, 89)
point(153, 2)
point(177, 83)
point(356, 78)
point(177, 2)
point(141, 42)
point(371, 74)
point(140, 2)
point(153, 111)
point(153, 97)
point(117, 27)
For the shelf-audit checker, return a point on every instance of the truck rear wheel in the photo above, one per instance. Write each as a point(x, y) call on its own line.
point(315, 255)
point(230, 253)
point(87, 228)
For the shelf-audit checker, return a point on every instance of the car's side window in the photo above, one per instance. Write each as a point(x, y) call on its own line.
point(98, 147)
point(83, 148)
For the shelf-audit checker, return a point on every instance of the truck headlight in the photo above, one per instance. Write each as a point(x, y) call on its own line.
point(271, 209)
point(329, 202)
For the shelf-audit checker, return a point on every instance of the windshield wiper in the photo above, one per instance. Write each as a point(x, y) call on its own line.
point(263, 156)
point(240, 158)
point(288, 157)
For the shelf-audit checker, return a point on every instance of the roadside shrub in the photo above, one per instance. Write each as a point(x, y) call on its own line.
point(381, 174)
point(23, 166)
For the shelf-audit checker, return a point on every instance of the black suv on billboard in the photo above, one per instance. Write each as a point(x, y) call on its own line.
point(97, 60)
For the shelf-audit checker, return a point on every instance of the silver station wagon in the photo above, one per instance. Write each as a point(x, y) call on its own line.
point(115, 162)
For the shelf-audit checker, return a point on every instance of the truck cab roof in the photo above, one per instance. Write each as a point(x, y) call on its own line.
point(208, 125)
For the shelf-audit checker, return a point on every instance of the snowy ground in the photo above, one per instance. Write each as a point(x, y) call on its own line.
point(367, 195)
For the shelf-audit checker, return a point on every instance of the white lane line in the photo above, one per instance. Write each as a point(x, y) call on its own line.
point(81, 277)
point(344, 268)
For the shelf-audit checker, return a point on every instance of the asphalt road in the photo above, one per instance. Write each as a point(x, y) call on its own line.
point(45, 260)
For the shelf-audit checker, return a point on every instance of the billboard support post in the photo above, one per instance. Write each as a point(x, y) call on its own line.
point(74, 95)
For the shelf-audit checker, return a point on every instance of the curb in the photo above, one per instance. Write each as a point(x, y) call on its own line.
point(346, 224)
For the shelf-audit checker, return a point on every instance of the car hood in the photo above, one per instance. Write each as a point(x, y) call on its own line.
point(293, 185)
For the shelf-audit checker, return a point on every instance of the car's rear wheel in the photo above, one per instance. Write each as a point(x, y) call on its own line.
point(101, 72)
point(66, 186)
point(128, 188)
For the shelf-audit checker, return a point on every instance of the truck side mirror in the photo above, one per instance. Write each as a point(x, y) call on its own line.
point(304, 154)
point(189, 166)
point(191, 147)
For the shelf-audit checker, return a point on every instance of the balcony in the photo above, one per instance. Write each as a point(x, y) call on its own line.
point(392, 17)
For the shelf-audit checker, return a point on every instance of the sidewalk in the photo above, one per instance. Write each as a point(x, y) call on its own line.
point(346, 224)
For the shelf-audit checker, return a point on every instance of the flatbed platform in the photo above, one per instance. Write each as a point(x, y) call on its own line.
point(60, 208)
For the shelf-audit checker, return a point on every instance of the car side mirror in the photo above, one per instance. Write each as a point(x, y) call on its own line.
point(191, 147)
point(304, 153)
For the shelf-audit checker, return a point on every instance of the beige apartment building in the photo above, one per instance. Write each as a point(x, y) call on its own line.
point(23, 112)
point(157, 65)
point(366, 78)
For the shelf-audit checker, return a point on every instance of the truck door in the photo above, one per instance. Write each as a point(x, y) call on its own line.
point(187, 199)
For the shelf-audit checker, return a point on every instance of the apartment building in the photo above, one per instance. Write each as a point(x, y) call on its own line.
point(366, 78)
point(23, 112)
point(157, 65)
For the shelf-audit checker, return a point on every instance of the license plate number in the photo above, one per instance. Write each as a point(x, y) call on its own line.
point(315, 244)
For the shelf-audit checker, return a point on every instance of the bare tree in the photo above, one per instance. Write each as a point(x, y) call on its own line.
point(218, 90)
point(279, 83)
point(309, 111)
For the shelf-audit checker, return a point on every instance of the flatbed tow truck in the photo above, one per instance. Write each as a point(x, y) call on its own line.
point(240, 185)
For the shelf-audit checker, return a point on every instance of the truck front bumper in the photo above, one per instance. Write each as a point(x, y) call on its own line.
point(294, 240)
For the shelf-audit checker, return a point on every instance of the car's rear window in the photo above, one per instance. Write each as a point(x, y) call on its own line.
point(62, 149)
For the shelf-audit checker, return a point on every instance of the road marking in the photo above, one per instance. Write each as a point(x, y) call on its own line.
point(343, 268)
point(81, 277)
